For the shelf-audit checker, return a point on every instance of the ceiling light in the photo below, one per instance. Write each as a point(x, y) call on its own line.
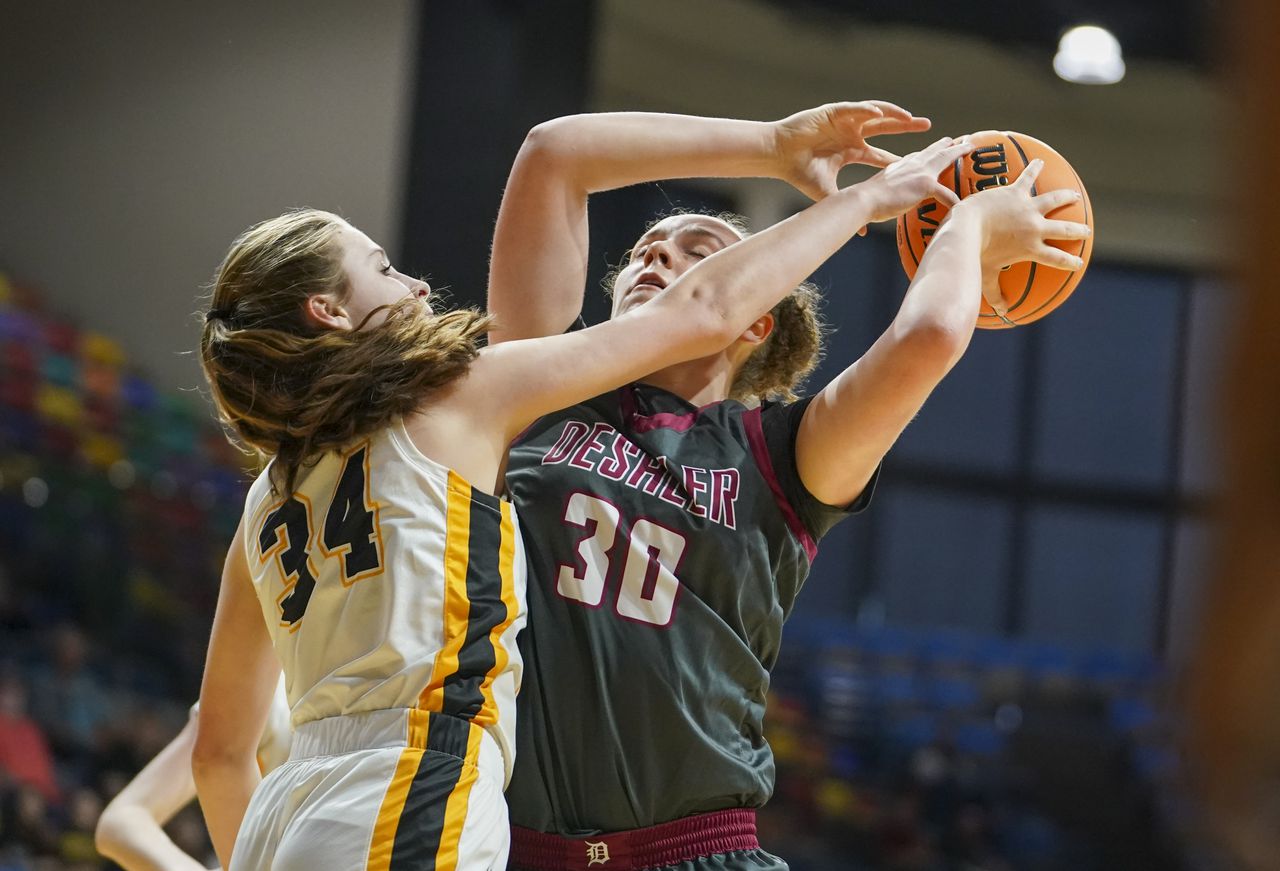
point(1089, 55)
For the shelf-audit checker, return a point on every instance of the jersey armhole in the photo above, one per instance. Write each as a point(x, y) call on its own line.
point(760, 450)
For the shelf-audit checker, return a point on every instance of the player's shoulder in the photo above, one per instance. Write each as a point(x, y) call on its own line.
point(602, 408)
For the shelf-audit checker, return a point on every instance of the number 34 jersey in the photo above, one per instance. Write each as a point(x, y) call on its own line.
point(387, 581)
point(666, 544)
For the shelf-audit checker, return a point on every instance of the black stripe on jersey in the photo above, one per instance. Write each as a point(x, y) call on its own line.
point(447, 734)
point(476, 658)
point(422, 819)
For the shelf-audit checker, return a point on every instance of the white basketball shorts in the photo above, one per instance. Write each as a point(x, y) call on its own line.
point(389, 790)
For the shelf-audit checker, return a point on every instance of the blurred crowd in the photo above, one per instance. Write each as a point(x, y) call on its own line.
point(71, 737)
point(942, 751)
point(116, 503)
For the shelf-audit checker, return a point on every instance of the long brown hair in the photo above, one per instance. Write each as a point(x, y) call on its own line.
point(293, 391)
point(779, 365)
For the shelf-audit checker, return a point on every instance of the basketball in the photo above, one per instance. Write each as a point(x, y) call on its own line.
point(1031, 290)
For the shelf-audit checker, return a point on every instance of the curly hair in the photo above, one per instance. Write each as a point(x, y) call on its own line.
point(292, 391)
point(778, 367)
point(788, 355)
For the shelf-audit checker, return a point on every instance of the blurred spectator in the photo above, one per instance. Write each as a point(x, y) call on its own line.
point(14, 618)
point(69, 702)
point(24, 752)
point(75, 844)
point(969, 840)
point(27, 832)
point(903, 842)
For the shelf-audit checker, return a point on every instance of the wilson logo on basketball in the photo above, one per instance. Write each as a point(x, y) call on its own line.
point(924, 214)
point(1031, 290)
point(990, 167)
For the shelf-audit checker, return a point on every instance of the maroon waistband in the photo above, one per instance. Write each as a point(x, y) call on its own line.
point(652, 847)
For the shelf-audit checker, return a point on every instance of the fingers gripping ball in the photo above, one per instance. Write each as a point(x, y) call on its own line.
point(1030, 290)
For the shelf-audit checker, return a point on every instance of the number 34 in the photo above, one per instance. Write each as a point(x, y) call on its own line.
point(649, 587)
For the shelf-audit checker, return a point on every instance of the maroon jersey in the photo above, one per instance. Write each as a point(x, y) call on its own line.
point(666, 546)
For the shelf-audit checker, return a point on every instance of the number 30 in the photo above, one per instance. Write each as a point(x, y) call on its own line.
point(649, 586)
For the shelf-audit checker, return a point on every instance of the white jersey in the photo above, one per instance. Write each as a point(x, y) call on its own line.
point(387, 581)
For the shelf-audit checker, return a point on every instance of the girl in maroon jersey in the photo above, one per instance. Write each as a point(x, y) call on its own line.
point(660, 620)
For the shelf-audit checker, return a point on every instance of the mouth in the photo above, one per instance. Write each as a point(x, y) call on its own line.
point(649, 279)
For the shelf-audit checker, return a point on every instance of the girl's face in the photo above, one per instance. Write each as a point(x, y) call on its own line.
point(373, 282)
point(669, 249)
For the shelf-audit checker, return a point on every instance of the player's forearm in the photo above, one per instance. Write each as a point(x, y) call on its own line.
point(134, 840)
point(748, 278)
point(942, 301)
point(610, 150)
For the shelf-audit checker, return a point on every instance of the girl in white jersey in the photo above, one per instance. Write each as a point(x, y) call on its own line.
point(389, 575)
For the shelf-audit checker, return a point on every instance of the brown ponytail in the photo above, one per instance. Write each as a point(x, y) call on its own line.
point(292, 391)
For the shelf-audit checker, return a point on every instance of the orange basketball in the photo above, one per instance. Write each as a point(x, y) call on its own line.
point(1031, 290)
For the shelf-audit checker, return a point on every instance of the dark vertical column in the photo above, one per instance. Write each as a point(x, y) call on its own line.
point(486, 72)
point(1175, 507)
point(1015, 603)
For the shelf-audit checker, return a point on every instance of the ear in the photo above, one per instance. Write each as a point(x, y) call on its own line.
point(759, 331)
point(324, 312)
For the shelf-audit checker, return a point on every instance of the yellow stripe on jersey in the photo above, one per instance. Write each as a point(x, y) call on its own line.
point(489, 713)
point(384, 831)
point(457, 607)
point(417, 728)
point(455, 811)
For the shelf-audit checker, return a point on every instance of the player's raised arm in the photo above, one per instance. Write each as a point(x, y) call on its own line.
point(703, 311)
point(539, 264)
point(853, 421)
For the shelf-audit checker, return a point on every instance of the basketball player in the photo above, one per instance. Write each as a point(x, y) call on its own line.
point(670, 523)
point(390, 576)
point(130, 830)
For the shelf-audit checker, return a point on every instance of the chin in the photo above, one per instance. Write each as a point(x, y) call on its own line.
point(632, 302)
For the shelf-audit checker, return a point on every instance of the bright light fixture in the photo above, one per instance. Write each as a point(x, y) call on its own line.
point(1089, 55)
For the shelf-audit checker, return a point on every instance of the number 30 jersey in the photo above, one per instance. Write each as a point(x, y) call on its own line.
point(388, 581)
point(667, 544)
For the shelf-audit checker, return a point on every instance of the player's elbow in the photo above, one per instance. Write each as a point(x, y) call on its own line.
point(933, 346)
point(547, 144)
point(213, 754)
point(708, 323)
point(107, 834)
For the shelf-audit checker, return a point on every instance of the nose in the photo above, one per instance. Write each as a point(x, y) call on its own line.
point(659, 250)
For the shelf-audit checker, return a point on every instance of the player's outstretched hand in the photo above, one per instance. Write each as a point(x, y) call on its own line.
point(913, 179)
point(1016, 227)
point(812, 146)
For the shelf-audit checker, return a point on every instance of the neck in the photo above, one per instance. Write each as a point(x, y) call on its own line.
point(698, 382)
